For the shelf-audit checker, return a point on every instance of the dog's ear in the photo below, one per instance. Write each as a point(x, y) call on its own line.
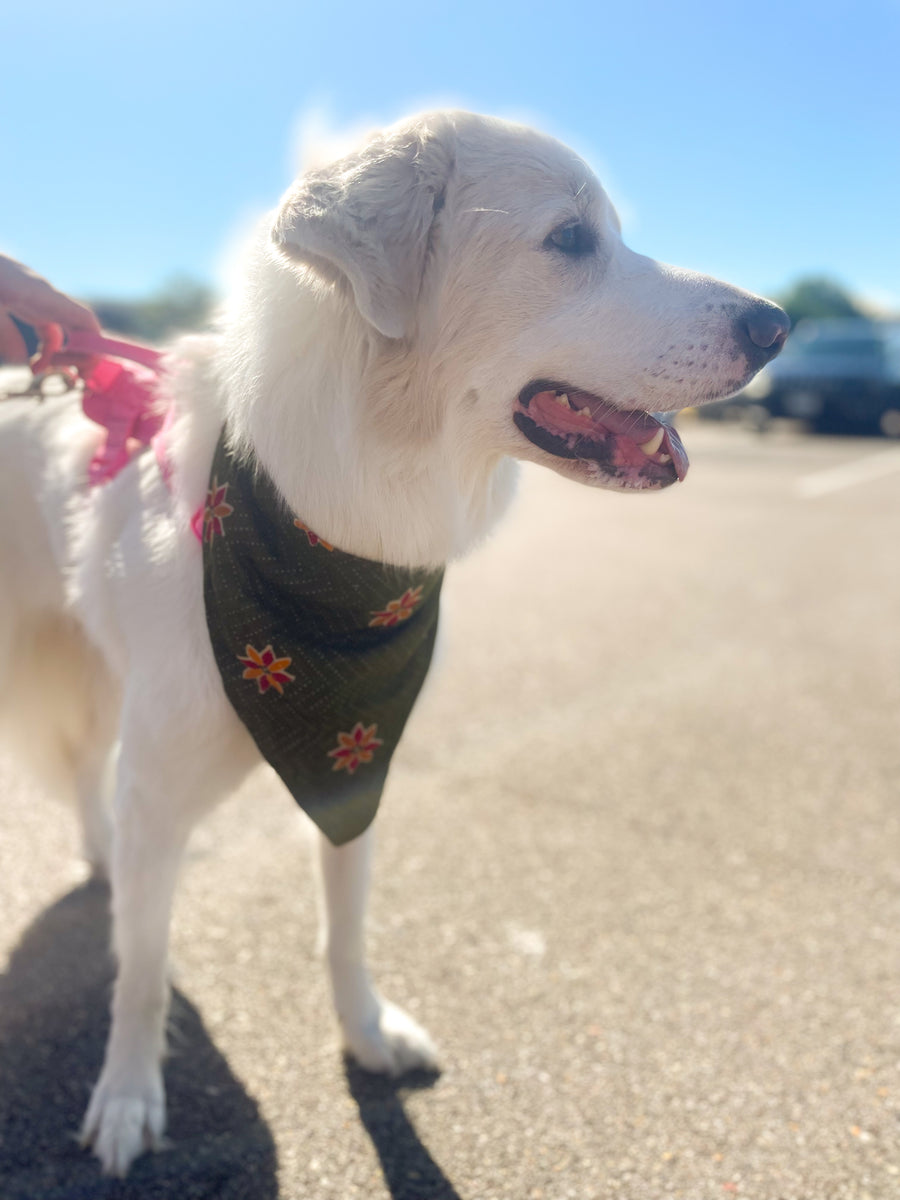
point(368, 217)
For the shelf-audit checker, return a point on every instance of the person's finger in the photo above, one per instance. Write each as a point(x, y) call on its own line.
point(49, 307)
point(70, 314)
point(31, 298)
point(12, 344)
point(52, 339)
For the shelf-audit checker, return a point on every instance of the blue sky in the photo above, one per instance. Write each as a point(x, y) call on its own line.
point(755, 141)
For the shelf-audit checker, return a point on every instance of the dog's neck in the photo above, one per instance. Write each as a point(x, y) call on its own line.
point(333, 417)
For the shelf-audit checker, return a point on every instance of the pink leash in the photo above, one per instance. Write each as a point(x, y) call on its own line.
point(122, 383)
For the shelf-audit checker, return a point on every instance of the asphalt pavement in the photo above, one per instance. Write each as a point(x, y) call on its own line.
point(638, 874)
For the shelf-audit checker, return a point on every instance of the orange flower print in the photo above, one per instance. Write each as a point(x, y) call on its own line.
point(215, 511)
point(313, 538)
point(355, 748)
point(398, 610)
point(266, 669)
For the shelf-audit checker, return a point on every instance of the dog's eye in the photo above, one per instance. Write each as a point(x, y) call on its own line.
point(573, 238)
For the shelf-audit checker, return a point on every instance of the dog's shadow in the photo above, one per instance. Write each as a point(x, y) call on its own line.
point(54, 1005)
point(409, 1170)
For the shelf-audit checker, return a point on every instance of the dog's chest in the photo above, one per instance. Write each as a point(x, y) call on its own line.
point(321, 653)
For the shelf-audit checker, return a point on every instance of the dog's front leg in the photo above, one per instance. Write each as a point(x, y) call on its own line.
point(380, 1036)
point(127, 1112)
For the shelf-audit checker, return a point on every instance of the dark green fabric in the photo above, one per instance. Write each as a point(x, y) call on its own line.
point(358, 636)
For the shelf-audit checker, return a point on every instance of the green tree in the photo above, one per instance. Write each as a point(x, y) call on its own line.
point(182, 304)
point(818, 296)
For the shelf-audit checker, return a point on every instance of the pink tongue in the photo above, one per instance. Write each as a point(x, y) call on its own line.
point(672, 446)
point(638, 427)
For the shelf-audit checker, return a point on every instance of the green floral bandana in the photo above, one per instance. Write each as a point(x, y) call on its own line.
point(322, 654)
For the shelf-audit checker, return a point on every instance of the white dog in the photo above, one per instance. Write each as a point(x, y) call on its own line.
point(453, 296)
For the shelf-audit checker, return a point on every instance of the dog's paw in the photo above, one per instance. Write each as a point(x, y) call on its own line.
point(121, 1124)
point(390, 1043)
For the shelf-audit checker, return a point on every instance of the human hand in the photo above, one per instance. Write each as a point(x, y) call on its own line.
point(32, 300)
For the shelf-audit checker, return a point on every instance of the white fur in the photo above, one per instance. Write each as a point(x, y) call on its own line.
point(390, 312)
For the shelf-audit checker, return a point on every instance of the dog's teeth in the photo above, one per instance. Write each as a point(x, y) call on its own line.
point(654, 444)
point(584, 412)
point(563, 400)
point(664, 458)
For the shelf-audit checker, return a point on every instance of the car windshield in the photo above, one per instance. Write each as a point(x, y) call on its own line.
point(826, 346)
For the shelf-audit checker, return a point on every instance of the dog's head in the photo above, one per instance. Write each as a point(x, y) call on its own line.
point(489, 259)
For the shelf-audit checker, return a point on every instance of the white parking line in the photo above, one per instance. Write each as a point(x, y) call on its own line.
point(858, 470)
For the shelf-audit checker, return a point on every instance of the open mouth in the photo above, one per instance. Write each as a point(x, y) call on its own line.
point(631, 449)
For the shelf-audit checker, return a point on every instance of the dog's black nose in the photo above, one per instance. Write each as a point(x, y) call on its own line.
point(768, 328)
point(763, 330)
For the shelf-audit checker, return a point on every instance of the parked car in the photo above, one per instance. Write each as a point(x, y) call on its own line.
point(838, 374)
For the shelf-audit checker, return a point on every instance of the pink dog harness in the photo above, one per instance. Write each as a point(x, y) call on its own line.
point(123, 394)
